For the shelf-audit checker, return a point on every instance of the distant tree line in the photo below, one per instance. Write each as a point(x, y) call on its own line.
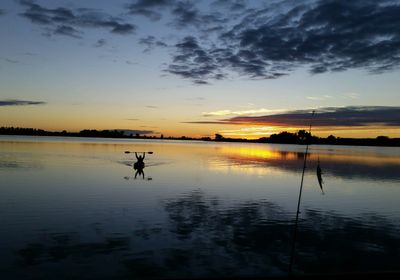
point(299, 137)
point(82, 133)
point(304, 137)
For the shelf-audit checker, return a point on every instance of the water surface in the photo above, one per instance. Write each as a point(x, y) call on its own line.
point(72, 208)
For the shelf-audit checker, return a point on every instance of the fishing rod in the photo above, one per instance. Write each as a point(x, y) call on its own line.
point(130, 152)
point(298, 202)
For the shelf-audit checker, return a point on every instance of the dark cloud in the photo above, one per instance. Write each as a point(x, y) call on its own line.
point(42, 15)
point(119, 28)
point(325, 117)
point(100, 43)
point(65, 21)
point(147, 13)
point(150, 42)
point(194, 62)
point(11, 60)
point(149, 8)
point(67, 31)
point(200, 82)
point(229, 4)
point(149, 126)
point(185, 13)
point(152, 107)
point(2, 12)
point(14, 102)
point(323, 36)
point(151, 3)
point(257, 40)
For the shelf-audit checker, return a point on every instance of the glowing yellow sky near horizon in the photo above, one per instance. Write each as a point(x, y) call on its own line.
point(256, 131)
point(75, 118)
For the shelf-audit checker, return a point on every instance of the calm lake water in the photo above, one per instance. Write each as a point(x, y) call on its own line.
point(72, 208)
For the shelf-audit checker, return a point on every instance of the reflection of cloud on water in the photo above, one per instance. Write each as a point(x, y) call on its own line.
point(225, 167)
point(60, 246)
point(260, 161)
point(254, 237)
point(8, 163)
point(205, 236)
point(250, 152)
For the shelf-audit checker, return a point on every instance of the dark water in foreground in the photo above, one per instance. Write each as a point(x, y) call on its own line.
point(72, 208)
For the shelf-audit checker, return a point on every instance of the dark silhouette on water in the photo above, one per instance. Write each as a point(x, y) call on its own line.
point(139, 165)
point(319, 176)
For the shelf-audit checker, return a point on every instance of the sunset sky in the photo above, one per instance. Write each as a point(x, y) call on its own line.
point(196, 68)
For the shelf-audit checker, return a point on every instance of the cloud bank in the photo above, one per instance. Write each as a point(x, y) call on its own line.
point(221, 39)
point(274, 40)
point(15, 102)
point(352, 116)
point(150, 42)
point(68, 22)
point(242, 112)
point(149, 8)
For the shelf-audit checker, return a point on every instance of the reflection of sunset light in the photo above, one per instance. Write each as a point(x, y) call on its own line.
point(265, 159)
point(359, 159)
point(247, 160)
point(257, 153)
point(223, 167)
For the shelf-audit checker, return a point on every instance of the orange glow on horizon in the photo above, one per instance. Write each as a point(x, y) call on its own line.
point(73, 119)
point(249, 132)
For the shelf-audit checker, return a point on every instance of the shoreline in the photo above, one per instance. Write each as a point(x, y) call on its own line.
point(356, 142)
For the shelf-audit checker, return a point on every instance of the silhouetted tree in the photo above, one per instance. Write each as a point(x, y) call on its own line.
point(218, 137)
point(284, 137)
point(303, 135)
point(331, 138)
